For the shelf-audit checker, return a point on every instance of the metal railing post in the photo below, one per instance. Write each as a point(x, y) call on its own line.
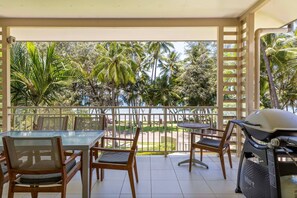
point(60, 110)
point(165, 130)
point(113, 125)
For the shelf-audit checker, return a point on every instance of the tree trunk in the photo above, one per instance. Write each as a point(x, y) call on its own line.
point(273, 96)
point(155, 72)
point(149, 116)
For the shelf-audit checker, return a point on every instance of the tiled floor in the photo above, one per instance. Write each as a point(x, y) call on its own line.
point(161, 177)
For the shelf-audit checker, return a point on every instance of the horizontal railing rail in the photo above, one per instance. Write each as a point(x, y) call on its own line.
point(159, 130)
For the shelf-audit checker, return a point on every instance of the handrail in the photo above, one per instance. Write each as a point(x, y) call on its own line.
point(160, 135)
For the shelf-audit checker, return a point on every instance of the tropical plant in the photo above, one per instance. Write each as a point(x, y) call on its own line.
point(197, 83)
point(156, 51)
point(279, 68)
point(87, 90)
point(37, 77)
point(115, 66)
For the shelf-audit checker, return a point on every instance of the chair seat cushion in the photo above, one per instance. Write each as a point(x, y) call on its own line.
point(45, 178)
point(114, 157)
point(210, 142)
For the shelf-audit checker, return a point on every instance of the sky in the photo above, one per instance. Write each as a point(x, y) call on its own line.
point(180, 47)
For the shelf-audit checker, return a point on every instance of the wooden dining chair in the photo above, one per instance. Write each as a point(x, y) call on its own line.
point(38, 165)
point(52, 123)
point(214, 143)
point(89, 124)
point(116, 159)
point(3, 173)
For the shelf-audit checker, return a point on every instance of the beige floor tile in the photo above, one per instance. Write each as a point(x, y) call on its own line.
point(229, 195)
point(19, 195)
point(232, 174)
point(198, 195)
point(168, 195)
point(145, 159)
point(117, 175)
point(108, 195)
point(74, 186)
point(184, 174)
point(73, 195)
point(195, 187)
point(222, 186)
point(211, 175)
point(184, 167)
point(143, 166)
point(28, 195)
point(165, 187)
point(138, 195)
point(142, 187)
point(157, 164)
point(144, 174)
point(108, 186)
point(167, 174)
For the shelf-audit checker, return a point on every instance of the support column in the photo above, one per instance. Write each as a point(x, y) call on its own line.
point(220, 87)
point(5, 80)
point(250, 66)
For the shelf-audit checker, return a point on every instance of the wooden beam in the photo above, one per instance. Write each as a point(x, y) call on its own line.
point(230, 33)
point(154, 22)
point(259, 4)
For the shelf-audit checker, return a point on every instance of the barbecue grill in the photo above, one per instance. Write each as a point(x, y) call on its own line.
point(267, 166)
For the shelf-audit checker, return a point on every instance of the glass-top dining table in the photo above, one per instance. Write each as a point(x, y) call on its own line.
point(71, 140)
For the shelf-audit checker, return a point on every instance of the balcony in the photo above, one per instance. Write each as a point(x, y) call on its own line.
point(161, 177)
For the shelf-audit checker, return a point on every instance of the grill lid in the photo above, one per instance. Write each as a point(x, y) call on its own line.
point(271, 121)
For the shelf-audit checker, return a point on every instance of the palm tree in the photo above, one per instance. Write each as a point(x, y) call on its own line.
point(172, 64)
point(87, 90)
point(155, 58)
point(19, 62)
point(279, 53)
point(156, 52)
point(166, 93)
point(115, 66)
point(37, 77)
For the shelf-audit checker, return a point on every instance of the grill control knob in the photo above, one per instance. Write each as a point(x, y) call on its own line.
point(274, 142)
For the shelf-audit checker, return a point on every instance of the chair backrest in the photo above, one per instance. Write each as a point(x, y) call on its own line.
point(52, 123)
point(89, 123)
point(227, 134)
point(134, 144)
point(29, 155)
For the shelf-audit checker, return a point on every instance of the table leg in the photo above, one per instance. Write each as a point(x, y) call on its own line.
point(194, 161)
point(85, 173)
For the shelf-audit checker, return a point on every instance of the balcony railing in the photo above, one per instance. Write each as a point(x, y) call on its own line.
point(159, 130)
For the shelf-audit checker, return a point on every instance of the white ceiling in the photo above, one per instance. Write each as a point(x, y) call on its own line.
point(276, 13)
point(123, 8)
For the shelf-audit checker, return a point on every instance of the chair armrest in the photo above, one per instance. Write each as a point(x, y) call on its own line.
point(72, 157)
point(202, 134)
point(112, 150)
point(2, 158)
point(212, 129)
point(111, 138)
